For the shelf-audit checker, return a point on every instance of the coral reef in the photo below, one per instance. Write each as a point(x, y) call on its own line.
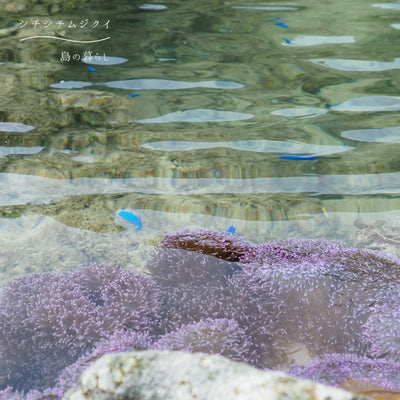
point(213, 292)
point(194, 286)
point(377, 236)
point(381, 328)
point(49, 320)
point(215, 336)
point(322, 289)
point(343, 369)
point(229, 247)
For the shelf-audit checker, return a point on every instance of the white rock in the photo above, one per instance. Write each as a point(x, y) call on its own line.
point(166, 375)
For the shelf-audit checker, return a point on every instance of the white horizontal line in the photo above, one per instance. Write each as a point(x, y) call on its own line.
point(67, 40)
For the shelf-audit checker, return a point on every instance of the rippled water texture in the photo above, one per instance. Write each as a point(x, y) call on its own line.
point(278, 119)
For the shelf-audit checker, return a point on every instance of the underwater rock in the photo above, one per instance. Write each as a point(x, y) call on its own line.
point(377, 236)
point(94, 107)
point(119, 341)
point(164, 375)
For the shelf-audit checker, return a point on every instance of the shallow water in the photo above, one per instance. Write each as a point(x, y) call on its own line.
point(280, 119)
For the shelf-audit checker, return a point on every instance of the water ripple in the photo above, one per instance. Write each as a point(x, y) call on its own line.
point(379, 135)
point(198, 115)
point(318, 40)
point(370, 104)
point(70, 85)
point(166, 84)
point(6, 151)
point(21, 189)
point(357, 65)
point(393, 6)
point(15, 127)
point(299, 112)
point(104, 60)
point(153, 7)
point(265, 8)
point(264, 146)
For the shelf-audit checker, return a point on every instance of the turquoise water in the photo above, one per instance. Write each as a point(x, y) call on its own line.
point(280, 119)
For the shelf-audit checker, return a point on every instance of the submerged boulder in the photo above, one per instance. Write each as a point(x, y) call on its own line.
point(166, 375)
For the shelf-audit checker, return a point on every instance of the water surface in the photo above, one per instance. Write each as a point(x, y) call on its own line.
point(183, 115)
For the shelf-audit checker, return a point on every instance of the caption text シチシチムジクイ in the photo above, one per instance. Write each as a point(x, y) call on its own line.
point(70, 24)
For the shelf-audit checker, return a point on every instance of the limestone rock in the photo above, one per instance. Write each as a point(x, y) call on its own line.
point(165, 375)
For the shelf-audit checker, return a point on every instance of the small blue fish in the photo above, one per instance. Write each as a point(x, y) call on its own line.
point(287, 40)
point(133, 95)
point(91, 68)
point(231, 230)
point(132, 218)
point(296, 157)
point(282, 24)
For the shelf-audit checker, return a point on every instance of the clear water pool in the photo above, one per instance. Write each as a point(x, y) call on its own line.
point(280, 119)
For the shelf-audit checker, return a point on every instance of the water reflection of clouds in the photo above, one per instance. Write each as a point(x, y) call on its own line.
point(167, 84)
point(18, 189)
point(369, 104)
point(150, 84)
point(84, 159)
point(266, 8)
point(15, 127)
point(7, 151)
point(318, 40)
point(264, 146)
point(70, 85)
point(299, 112)
point(104, 60)
point(357, 65)
point(394, 6)
point(156, 7)
point(197, 115)
point(379, 135)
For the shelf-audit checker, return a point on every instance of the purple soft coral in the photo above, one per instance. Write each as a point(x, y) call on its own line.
point(220, 244)
point(208, 291)
point(197, 286)
point(382, 327)
point(121, 340)
point(339, 369)
point(320, 291)
point(194, 285)
point(213, 336)
point(49, 320)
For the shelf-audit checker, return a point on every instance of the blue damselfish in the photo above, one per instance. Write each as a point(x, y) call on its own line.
point(132, 218)
point(296, 157)
point(282, 24)
point(231, 229)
